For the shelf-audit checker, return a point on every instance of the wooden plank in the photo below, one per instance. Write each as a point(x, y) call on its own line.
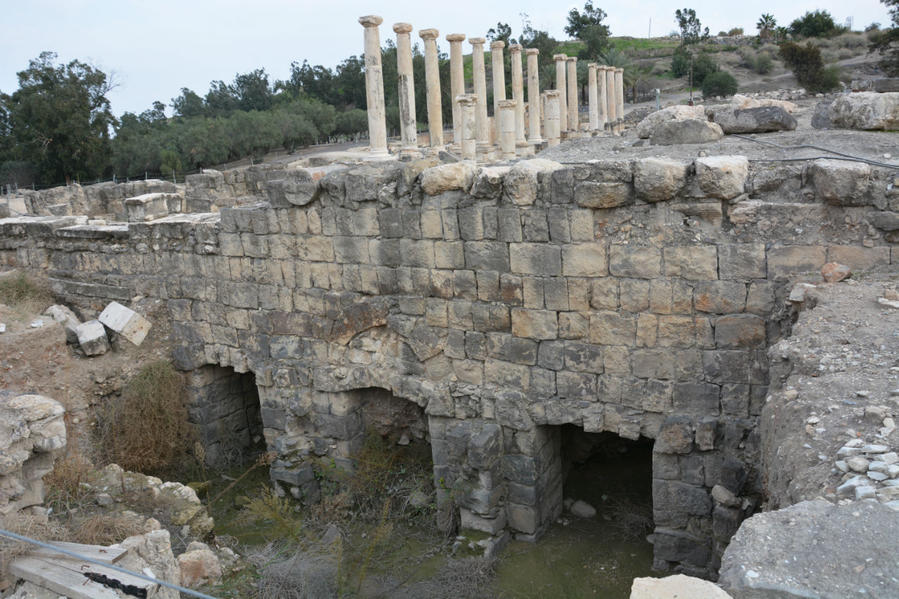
point(51, 575)
point(107, 555)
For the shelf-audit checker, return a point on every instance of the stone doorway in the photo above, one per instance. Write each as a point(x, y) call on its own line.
point(224, 406)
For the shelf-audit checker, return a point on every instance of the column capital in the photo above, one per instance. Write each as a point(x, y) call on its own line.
point(370, 20)
point(558, 57)
point(552, 93)
point(592, 65)
point(514, 48)
point(402, 27)
point(455, 37)
point(497, 45)
point(466, 99)
point(507, 103)
point(477, 41)
point(571, 59)
point(619, 70)
point(428, 34)
point(532, 51)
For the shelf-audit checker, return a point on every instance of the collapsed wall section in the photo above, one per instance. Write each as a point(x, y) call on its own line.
point(633, 297)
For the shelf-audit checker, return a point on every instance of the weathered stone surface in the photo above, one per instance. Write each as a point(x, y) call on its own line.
point(521, 183)
point(690, 131)
point(814, 549)
point(199, 566)
point(866, 110)
point(659, 179)
point(753, 120)
point(92, 338)
point(448, 177)
point(741, 102)
point(675, 436)
point(64, 316)
point(126, 322)
point(678, 586)
point(32, 433)
point(722, 177)
point(647, 126)
point(153, 551)
point(841, 182)
point(602, 194)
point(834, 272)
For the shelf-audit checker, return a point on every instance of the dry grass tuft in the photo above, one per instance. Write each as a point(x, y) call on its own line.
point(26, 295)
point(106, 529)
point(68, 484)
point(147, 428)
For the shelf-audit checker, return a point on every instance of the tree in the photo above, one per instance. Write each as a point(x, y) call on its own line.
point(766, 26)
point(720, 83)
point(691, 30)
point(815, 24)
point(886, 41)
point(188, 104)
point(60, 118)
point(542, 40)
point(252, 90)
point(580, 22)
point(501, 33)
point(808, 67)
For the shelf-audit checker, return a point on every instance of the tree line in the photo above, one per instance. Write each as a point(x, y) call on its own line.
point(58, 125)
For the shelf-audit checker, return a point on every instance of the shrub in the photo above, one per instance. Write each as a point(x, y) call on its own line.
point(703, 66)
point(735, 31)
point(720, 83)
point(680, 62)
point(147, 428)
point(808, 67)
point(815, 24)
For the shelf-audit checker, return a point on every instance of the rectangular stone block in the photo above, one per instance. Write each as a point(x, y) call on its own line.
point(535, 259)
point(858, 258)
point(584, 260)
point(719, 297)
point(126, 322)
point(634, 294)
point(612, 328)
point(740, 330)
point(534, 324)
point(742, 261)
point(583, 357)
point(636, 262)
point(693, 262)
point(603, 194)
point(487, 255)
point(676, 331)
point(792, 259)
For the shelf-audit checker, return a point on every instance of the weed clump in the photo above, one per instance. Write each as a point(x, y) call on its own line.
point(147, 428)
point(23, 293)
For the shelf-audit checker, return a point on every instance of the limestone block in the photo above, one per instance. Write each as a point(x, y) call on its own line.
point(795, 259)
point(148, 207)
point(534, 324)
point(448, 177)
point(92, 338)
point(64, 316)
point(741, 102)
point(678, 586)
point(740, 330)
point(521, 183)
point(866, 110)
point(659, 179)
point(602, 194)
point(692, 262)
point(722, 177)
point(584, 260)
point(199, 566)
point(297, 189)
point(626, 260)
point(690, 131)
point(840, 182)
point(673, 113)
point(126, 322)
point(761, 119)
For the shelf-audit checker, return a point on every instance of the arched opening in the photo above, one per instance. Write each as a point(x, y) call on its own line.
point(224, 407)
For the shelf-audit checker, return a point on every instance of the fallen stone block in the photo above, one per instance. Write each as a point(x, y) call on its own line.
point(92, 338)
point(690, 131)
point(762, 119)
point(64, 316)
point(814, 549)
point(678, 586)
point(126, 322)
point(870, 111)
point(647, 126)
point(834, 272)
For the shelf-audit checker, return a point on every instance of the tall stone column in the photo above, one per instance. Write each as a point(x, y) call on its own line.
point(533, 96)
point(467, 113)
point(610, 96)
point(518, 94)
point(479, 74)
point(601, 84)
point(506, 120)
point(552, 117)
point(498, 72)
point(592, 96)
point(374, 86)
point(562, 89)
point(406, 84)
point(573, 96)
point(619, 89)
point(432, 83)
point(457, 80)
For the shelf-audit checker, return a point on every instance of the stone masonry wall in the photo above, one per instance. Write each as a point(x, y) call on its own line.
point(636, 297)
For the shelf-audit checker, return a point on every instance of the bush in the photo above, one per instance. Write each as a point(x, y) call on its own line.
point(147, 428)
point(720, 83)
point(703, 65)
point(351, 122)
point(680, 62)
point(815, 24)
point(808, 67)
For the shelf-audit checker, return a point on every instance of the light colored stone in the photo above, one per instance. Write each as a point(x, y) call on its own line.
point(520, 185)
point(722, 177)
point(687, 131)
point(752, 120)
point(562, 90)
point(582, 509)
point(678, 586)
point(866, 110)
point(673, 113)
point(857, 464)
point(740, 101)
point(432, 84)
point(479, 77)
point(534, 116)
point(448, 177)
point(498, 74)
point(374, 86)
point(573, 95)
point(126, 322)
point(92, 338)
point(834, 273)
point(406, 84)
point(199, 566)
point(659, 179)
point(64, 316)
point(840, 182)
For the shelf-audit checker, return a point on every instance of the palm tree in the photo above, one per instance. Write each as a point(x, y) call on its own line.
point(766, 26)
point(633, 74)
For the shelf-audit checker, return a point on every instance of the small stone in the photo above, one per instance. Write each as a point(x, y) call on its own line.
point(812, 420)
point(888, 303)
point(875, 448)
point(104, 499)
point(889, 458)
point(857, 464)
point(403, 440)
point(582, 509)
point(847, 451)
point(862, 393)
point(724, 496)
point(848, 487)
point(2, 327)
point(37, 323)
point(878, 476)
point(791, 394)
point(842, 466)
point(92, 338)
point(126, 322)
point(877, 466)
point(833, 272)
point(854, 442)
point(864, 492)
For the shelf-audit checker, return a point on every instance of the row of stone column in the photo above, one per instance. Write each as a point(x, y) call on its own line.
point(557, 109)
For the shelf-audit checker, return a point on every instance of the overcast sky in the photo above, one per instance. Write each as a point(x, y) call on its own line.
point(156, 48)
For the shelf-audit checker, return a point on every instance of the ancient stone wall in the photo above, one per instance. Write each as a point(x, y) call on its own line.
point(636, 297)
